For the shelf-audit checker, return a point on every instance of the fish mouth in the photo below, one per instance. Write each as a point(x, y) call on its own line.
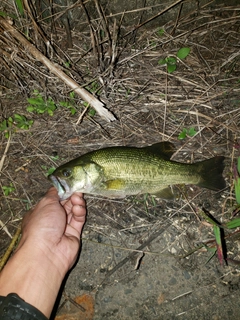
point(62, 187)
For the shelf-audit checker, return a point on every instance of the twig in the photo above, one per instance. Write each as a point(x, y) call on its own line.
point(136, 252)
point(94, 39)
point(105, 25)
point(10, 248)
point(154, 17)
point(4, 228)
point(207, 117)
point(36, 26)
point(55, 69)
point(5, 152)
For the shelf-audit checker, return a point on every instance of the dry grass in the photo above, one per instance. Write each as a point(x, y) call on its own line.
point(150, 106)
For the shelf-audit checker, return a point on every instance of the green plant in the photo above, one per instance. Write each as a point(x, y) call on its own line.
point(21, 121)
point(3, 14)
point(153, 44)
point(8, 189)
point(12, 123)
point(39, 105)
point(187, 132)
point(20, 7)
point(70, 104)
point(171, 61)
point(220, 228)
point(47, 170)
point(236, 176)
point(219, 233)
point(93, 87)
point(50, 170)
point(160, 32)
point(91, 111)
point(67, 64)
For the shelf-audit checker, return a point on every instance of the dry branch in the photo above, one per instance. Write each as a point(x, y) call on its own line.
point(10, 248)
point(5, 153)
point(83, 93)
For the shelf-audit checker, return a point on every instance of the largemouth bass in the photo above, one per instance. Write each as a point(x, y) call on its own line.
point(117, 172)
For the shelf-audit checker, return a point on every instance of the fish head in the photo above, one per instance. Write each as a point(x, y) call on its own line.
point(79, 177)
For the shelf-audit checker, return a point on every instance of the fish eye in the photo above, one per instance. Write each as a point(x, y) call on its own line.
point(67, 172)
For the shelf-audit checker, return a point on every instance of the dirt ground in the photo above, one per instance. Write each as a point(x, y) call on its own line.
point(141, 257)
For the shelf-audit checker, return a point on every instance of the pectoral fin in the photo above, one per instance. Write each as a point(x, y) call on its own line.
point(115, 184)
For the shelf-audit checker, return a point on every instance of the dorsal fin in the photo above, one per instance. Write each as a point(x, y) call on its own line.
point(164, 149)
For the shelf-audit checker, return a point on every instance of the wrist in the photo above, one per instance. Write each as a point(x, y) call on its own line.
point(34, 276)
point(45, 256)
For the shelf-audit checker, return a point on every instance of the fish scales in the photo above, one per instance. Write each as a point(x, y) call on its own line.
point(136, 165)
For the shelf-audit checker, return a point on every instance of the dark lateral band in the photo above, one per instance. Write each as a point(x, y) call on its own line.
point(12, 307)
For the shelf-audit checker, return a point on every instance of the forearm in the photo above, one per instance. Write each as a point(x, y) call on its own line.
point(34, 276)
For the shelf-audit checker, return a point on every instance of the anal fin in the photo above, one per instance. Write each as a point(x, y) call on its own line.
point(165, 193)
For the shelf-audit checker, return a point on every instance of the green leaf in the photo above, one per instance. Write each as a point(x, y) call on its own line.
point(235, 223)
point(54, 158)
point(35, 101)
point(50, 171)
point(3, 125)
point(10, 121)
point(39, 105)
point(91, 112)
point(192, 132)
point(160, 32)
point(162, 61)
point(183, 52)
point(63, 103)
point(18, 117)
point(171, 68)
point(8, 189)
point(20, 7)
point(50, 112)
point(237, 190)
point(73, 111)
point(3, 14)
point(153, 44)
point(171, 60)
point(72, 94)
point(30, 108)
point(182, 135)
point(22, 122)
point(217, 233)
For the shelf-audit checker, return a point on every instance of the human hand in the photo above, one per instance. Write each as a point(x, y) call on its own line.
point(54, 228)
point(48, 248)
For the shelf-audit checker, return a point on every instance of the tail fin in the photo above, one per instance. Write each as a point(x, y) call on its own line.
point(211, 173)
